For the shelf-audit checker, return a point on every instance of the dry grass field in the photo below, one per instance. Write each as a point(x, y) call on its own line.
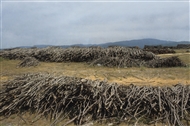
point(126, 76)
point(135, 75)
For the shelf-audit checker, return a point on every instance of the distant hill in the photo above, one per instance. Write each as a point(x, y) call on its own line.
point(141, 42)
point(128, 43)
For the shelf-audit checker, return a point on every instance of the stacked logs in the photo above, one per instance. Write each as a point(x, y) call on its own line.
point(112, 57)
point(81, 100)
point(28, 62)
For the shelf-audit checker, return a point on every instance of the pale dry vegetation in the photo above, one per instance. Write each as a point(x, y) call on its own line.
point(139, 76)
point(83, 100)
point(182, 54)
point(120, 57)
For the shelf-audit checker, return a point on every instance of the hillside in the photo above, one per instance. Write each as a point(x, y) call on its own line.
point(139, 42)
point(127, 43)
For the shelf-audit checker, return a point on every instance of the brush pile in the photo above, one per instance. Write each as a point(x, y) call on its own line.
point(28, 62)
point(173, 61)
point(112, 57)
point(160, 51)
point(81, 100)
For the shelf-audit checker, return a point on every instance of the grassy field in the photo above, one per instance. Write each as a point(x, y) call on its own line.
point(27, 120)
point(181, 53)
point(139, 76)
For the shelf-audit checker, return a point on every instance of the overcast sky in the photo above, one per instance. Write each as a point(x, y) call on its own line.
point(63, 23)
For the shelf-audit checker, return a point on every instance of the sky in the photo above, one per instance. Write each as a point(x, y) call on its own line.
point(28, 23)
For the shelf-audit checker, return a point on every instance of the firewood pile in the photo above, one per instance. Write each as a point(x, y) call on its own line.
point(114, 56)
point(183, 46)
point(160, 51)
point(173, 61)
point(28, 62)
point(82, 101)
point(18, 53)
point(119, 62)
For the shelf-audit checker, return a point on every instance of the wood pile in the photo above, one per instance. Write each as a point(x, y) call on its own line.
point(160, 51)
point(183, 46)
point(153, 46)
point(173, 61)
point(118, 62)
point(18, 53)
point(112, 57)
point(28, 62)
point(82, 101)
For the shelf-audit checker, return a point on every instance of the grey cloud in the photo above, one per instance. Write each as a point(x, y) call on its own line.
point(62, 23)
